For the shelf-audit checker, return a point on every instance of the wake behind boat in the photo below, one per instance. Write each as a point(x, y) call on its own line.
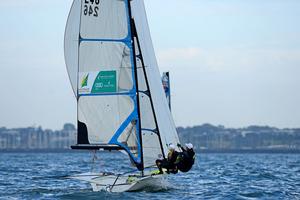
point(121, 104)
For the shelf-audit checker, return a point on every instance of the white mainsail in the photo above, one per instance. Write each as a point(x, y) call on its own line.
point(114, 74)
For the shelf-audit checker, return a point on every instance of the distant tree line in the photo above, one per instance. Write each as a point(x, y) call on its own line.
point(208, 137)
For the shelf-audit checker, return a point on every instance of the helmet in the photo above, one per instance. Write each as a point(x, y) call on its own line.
point(171, 147)
point(160, 157)
point(189, 145)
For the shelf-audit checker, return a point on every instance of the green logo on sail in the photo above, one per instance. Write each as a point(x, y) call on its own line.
point(106, 81)
point(84, 81)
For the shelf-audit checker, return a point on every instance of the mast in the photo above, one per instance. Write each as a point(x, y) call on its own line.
point(132, 29)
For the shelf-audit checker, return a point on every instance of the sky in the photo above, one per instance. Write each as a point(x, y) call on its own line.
point(232, 62)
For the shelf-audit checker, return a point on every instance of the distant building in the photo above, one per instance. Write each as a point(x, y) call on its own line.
point(37, 138)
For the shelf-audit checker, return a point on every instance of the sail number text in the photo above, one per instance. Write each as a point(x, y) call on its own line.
point(91, 8)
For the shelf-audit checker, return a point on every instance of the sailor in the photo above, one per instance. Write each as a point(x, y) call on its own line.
point(186, 158)
point(168, 163)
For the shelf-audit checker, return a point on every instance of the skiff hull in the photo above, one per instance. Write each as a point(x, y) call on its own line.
point(131, 183)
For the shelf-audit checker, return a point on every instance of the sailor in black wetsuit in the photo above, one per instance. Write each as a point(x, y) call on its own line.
point(186, 158)
point(168, 163)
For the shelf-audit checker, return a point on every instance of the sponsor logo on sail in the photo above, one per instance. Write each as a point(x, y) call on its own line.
point(84, 81)
point(83, 87)
point(106, 81)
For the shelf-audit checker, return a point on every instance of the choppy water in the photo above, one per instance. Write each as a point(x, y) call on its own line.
point(217, 176)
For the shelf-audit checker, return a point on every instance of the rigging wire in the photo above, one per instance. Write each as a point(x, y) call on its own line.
point(94, 159)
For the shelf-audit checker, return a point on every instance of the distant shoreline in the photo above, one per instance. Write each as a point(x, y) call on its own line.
point(204, 151)
point(206, 138)
point(249, 151)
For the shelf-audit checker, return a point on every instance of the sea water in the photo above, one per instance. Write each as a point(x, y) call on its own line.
point(214, 176)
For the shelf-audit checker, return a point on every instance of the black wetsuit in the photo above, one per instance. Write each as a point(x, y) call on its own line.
point(168, 163)
point(186, 160)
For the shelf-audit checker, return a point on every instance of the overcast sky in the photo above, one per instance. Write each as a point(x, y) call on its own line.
point(232, 62)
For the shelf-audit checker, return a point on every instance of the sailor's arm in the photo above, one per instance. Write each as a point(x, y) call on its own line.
point(179, 146)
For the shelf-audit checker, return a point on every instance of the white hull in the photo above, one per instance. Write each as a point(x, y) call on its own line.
point(112, 183)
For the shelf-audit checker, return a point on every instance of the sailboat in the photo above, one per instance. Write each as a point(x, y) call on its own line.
point(121, 104)
point(165, 79)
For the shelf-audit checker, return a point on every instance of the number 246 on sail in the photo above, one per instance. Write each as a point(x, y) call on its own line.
point(90, 9)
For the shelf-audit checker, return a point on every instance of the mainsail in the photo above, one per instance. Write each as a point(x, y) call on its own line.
point(114, 75)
